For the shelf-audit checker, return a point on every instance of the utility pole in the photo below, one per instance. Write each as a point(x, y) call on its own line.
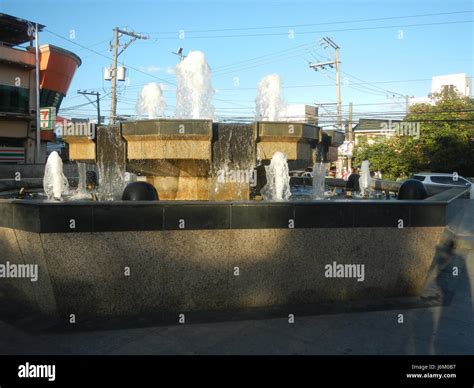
point(37, 90)
point(328, 42)
point(338, 88)
point(118, 33)
point(407, 103)
point(350, 135)
point(113, 103)
point(97, 103)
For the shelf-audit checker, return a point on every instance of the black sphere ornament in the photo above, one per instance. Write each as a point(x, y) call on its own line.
point(412, 189)
point(140, 191)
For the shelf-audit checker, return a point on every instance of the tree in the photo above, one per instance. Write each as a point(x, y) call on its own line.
point(445, 142)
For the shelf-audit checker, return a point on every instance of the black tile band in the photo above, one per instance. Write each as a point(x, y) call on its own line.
point(76, 217)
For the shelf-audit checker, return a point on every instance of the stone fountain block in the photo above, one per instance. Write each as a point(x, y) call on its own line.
point(181, 187)
point(169, 167)
point(335, 139)
point(81, 148)
point(234, 158)
point(293, 139)
point(175, 155)
point(175, 179)
point(168, 139)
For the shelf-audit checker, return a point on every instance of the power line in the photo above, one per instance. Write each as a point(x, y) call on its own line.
point(324, 31)
point(128, 66)
point(363, 85)
point(332, 84)
point(227, 67)
point(86, 93)
point(317, 24)
point(257, 64)
point(106, 56)
point(85, 104)
point(263, 57)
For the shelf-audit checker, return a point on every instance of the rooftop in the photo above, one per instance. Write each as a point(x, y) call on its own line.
point(15, 31)
point(371, 124)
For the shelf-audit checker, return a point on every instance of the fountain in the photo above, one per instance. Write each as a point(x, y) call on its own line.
point(364, 180)
point(111, 163)
point(55, 183)
point(151, 101)
point(189, 221)
point(81, 191)
point(269, 102)
point(278, 179)
point(319, 179)
point(181, 252)
point(194, 90)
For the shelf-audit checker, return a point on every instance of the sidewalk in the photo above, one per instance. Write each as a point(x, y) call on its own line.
point(461, 226)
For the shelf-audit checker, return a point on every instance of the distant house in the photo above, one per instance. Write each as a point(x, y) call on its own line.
point(371, 131)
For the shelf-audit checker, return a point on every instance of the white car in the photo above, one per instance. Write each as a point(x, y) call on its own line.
point(439, 179)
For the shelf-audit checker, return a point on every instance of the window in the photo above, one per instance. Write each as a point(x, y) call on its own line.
point(448, 88)
point(14, 99)
point(448, 180)
point(50, 98)
point(420, 178)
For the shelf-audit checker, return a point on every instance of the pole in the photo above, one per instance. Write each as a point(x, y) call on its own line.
point(116, 53)
point(351, 136)
point(328, 42)
point(338, 89)
point(113, 103)
point(38, 118)
point(98, 107)
point(85, 93)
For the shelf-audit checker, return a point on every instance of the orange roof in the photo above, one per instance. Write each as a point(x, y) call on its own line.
point(57, 67)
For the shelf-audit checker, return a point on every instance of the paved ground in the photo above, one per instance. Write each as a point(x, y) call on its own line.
point(462, 223)
point(446, 329)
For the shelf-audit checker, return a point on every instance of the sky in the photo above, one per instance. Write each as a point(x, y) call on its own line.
point(382, 60)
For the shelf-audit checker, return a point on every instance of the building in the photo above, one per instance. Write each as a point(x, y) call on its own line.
point(18, 88)
point(368, 131)
point(460, 82)
point(301, 113)
point(371, 131)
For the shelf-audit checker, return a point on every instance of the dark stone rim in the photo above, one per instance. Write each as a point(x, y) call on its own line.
point(55, 217)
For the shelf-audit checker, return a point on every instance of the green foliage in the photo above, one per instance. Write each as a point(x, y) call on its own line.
point(445, 144)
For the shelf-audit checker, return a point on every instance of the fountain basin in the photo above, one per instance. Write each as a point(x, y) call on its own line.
point(183, 256)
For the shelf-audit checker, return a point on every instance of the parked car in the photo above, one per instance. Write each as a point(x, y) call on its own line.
point(440, 179)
